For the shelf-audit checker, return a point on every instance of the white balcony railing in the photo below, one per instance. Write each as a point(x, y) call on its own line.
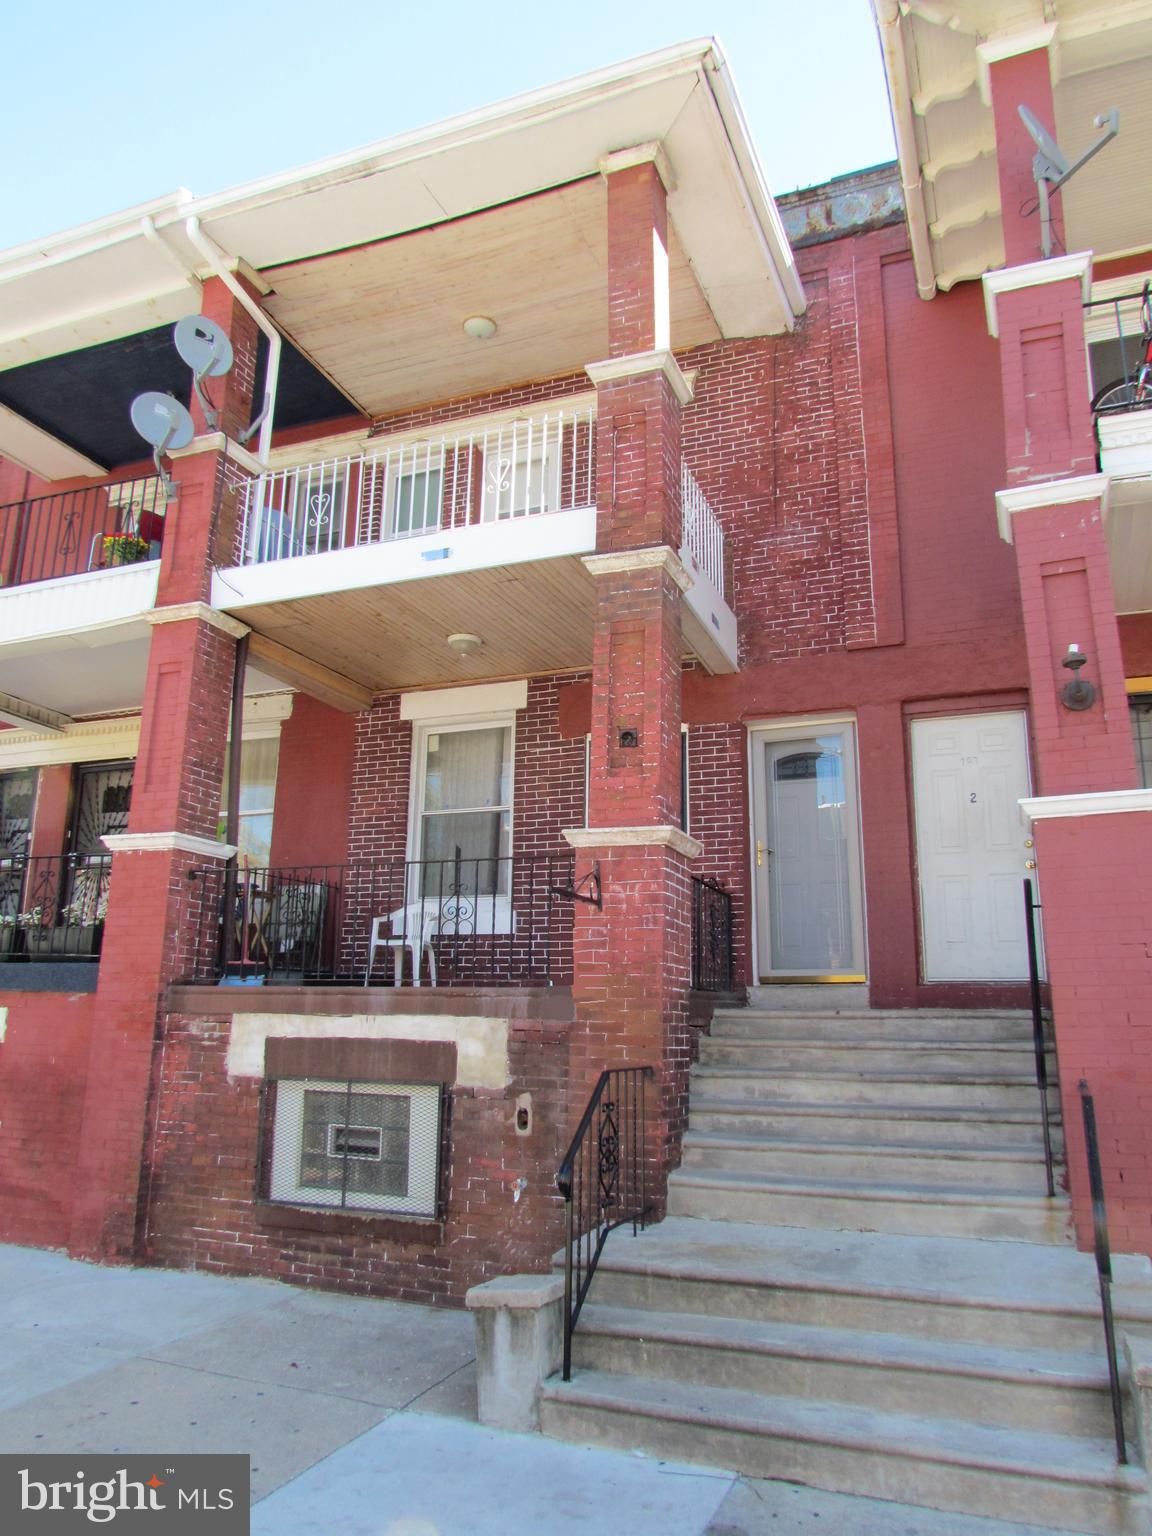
point(522, 468)
point(703, 535)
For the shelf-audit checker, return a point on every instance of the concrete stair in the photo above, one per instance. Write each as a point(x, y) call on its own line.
point(860, 1284)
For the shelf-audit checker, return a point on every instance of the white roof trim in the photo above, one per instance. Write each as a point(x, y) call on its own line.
point(479, 700)
point(1049, 493)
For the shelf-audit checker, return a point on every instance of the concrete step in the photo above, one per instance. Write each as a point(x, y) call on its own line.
point(968, 1090)
point(929, 1210)
point(847, 997)
point(1063, 1391)
point(1060, 1481)
point(1019, 1294)
point(942, 1059)
point(866, 1123)
point(749, 1024)
point(1015, 1166)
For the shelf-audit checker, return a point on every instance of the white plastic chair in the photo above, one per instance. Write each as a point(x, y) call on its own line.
point(406, 931)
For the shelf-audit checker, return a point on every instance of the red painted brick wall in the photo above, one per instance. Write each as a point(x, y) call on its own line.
point(313, 785)
point(43, 1068)
point(1097, 893)
point(201, 1176)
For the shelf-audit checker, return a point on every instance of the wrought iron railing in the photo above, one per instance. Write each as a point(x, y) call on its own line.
point(443, 922)
point(712, 963)
point(96, 528)
point(1103, 1263)
point(511, 469)
point(1039, 1041)
point(53, 908)
point(603, 1183)
point(703, 535)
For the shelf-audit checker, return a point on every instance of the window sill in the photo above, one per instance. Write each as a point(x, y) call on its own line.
point(377, 1224)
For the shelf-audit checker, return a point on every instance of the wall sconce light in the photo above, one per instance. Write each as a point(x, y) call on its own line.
point(464, 645)
point(1079, 693)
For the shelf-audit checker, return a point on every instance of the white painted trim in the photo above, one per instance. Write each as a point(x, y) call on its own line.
point(1048, 493)
point(634, 837)
point(39, 452)
point(167, 842)
point(458, 704)
point(655, 557)
point(1009, 45)
point(1105, 802)
point(652, 153)
point(85, 742)
point(481, 1042)
point(176, 613)
point(1034, 274)
point(218, 442)
point(636, 363)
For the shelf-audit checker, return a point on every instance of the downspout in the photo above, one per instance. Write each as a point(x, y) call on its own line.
point(887, 14)
point(216, 259)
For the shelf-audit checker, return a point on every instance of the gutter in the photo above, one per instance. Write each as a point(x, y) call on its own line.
point(888, 20)
point(216, 259)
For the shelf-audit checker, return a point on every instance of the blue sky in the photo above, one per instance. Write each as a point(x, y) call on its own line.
point(109, 106)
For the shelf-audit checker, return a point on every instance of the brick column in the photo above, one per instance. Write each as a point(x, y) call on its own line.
point(171, 828)
point(632, 958)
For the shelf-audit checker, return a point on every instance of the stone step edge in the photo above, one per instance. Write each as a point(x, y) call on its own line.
point(912, 1194)
point(875, 1432)
point(952, 1113)
point(1021, 1016)
point(939, 1151)
point(935, 1079)
point(1037, 1367)
point(806, 1043)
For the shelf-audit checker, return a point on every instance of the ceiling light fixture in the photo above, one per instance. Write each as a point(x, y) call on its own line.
point(479, 327)
point(464, 645)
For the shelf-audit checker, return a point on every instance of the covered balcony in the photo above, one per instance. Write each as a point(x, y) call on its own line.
point(366, 561)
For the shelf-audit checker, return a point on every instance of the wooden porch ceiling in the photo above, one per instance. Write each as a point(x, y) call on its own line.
point(532, 618)
point(385, 319)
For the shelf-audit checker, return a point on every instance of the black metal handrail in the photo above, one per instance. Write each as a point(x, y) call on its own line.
point(1103, 1263)
point(1039, 1044)
point(458, 922)
point(602, 1180)
point(93, 528)
point(712, 960)
point(52, 907)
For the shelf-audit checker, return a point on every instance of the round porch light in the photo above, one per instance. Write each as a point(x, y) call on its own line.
point(464, 645)
point(479, 327)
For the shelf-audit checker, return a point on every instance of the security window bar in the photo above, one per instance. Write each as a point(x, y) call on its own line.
point(357, 1146)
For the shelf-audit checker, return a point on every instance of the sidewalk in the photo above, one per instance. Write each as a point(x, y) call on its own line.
point(358, 1415)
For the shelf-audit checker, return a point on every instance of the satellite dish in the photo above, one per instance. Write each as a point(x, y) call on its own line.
point(162, 421)
point(203, 345)
point(1055, 161)
point(1051, 167)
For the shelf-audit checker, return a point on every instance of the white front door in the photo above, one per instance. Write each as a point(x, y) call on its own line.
point(809, 897)
point(968, 773)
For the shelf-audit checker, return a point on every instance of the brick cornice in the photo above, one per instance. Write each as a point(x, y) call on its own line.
point(636, 363)
point(1048, 493)
point(217, 442)
point(655, 557)
point(640, 154)
point(634, 837)
point(1033, 274)
point(1110, 802)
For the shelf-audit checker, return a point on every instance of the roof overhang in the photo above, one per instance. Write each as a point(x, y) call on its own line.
point(937, 58)
point(139, 269)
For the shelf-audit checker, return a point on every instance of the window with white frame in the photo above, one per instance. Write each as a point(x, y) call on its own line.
point(1113, 325)
point(356, 1146)
point(462, 807)
point(259, 759)
point(414, 480)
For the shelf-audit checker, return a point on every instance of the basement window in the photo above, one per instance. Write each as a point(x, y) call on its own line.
point(355, 1146)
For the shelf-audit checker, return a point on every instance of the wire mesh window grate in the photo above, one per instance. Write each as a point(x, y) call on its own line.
point(357, 1146)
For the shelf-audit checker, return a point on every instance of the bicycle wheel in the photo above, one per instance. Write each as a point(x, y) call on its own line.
point(1119, 395)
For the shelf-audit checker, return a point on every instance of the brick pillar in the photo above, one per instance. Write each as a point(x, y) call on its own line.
point(1067, 599)
point(632, 958)
point(171, 831)
point(1022, 79)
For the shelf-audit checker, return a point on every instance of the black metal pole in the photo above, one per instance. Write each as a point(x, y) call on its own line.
point(1038, 1045)
point(1103, 1264)
point(232, 808)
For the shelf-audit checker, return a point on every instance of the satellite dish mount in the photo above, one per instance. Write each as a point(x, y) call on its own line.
point(205, 347)
point(1052, 168)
